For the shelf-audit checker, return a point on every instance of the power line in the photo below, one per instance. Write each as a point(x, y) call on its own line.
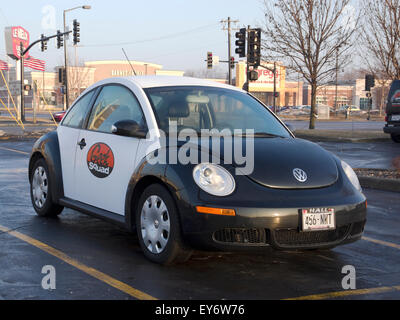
point(152, 39)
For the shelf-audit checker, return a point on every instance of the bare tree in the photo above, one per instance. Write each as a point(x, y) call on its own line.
point(381, 43)
point(79, 78)
point(312, 38)
point(382, 38)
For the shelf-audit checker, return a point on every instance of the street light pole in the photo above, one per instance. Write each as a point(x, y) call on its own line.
point(66, 105)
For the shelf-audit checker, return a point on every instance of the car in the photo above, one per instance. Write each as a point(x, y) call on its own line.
point(193, 164)
point(392, 126)
point(58, 116)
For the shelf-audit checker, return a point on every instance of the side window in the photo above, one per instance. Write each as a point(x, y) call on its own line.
point(114, 103)
point(77, 115)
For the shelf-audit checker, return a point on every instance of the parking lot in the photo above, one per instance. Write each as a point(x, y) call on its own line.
point(96, 260)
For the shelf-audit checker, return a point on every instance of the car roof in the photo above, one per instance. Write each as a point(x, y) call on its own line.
point(171, 81)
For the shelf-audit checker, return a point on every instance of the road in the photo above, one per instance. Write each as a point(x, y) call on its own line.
point(96, 260)
point(365, 155)
point(340, 125)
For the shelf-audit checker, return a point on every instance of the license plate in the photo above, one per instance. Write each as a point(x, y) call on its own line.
point(318, 219)
point(396, 117)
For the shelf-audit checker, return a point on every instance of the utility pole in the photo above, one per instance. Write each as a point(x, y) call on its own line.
point(274, 87)
point(229, 29)
point(337, 71)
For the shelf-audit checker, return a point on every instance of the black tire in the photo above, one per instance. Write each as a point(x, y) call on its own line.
point(396, 137)
point(46, 208)
point(174, 250)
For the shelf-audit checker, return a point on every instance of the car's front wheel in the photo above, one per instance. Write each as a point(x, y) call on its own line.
point(158, 227)
point(41, 195)
point(396, 137)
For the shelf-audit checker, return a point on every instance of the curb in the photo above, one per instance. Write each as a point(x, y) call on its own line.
point(380, 184)
point(338, 139)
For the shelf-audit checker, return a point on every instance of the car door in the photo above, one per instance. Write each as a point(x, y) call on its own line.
point(68, 136)
point(104, 161)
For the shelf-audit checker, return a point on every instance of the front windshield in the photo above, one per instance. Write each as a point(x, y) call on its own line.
point(207, 108)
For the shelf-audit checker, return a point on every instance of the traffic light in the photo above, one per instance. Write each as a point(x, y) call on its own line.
point(43, 43)
point(241, 43)
point(253, 75)
point(369, 82)
point(232, 62)
point(77, 29)
point(60, 39)
point(254, 54)
point(209, 60)
point(62, 76)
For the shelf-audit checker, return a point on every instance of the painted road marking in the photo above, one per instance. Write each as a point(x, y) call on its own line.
point(88, 270)
point(341, 294)
point(383, 243)
point(13, 150)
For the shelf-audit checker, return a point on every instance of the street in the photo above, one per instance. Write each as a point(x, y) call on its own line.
point(96, 260)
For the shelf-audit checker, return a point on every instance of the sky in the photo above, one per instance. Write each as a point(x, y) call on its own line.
point(174, 33)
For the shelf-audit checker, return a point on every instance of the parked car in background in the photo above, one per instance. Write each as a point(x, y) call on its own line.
point(393, 112)
point(58, 116)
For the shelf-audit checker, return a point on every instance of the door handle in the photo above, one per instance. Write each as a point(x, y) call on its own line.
point(82, 144)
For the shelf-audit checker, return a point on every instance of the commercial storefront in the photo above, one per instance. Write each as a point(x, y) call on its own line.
point(263, 88)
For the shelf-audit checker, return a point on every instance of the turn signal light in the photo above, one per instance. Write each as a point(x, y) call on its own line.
point(216, 211)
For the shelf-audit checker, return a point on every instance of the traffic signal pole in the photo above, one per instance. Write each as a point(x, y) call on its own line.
point(22, 111)
point(66, 92)
point(229, 50)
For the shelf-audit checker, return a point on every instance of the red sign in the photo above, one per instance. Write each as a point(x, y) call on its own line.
point(14, 37)
point(100, 160)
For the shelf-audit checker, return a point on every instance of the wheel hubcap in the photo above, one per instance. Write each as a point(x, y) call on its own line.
point(155, 224)
point(40, 186)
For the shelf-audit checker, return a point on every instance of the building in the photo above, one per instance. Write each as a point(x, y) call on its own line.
point(263, 88)
point(293, 93)
point(326, 95)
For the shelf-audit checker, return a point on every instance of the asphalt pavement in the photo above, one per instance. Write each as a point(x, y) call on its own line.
point(96, 260)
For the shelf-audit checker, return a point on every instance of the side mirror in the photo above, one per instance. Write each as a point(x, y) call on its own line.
point(128, 128)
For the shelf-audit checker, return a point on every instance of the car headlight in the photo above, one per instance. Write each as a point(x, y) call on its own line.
point(214, 179)
point(351, 175)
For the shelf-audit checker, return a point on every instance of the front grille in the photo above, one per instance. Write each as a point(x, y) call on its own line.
point(294, 238)
point(241, 236)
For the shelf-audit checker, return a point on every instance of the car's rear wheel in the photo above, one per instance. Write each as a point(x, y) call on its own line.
point(396, 137)
point(41, 195)
point(158, 227)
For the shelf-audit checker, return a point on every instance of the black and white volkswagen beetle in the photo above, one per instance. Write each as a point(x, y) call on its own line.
point(237, 177)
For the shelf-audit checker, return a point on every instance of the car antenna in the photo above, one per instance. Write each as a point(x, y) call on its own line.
point(134, 72)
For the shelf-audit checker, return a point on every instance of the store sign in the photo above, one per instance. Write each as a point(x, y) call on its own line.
point(14, 36)
point(266, 77)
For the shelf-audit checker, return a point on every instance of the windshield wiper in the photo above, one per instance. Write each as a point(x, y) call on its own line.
point(261, 135)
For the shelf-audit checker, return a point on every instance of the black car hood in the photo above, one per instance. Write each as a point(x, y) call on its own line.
point(275, 159)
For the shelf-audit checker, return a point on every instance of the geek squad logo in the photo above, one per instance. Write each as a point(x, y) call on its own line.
point(100, 160)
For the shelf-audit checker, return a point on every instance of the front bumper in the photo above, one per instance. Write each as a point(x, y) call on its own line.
point(392, 129)
point(279, 228)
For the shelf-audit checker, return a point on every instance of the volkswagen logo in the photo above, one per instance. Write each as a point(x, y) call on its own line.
point(300, 175)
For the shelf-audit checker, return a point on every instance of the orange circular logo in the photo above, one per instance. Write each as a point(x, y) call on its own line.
point(100, 160)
